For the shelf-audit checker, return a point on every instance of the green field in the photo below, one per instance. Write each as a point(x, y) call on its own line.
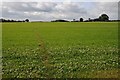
point(60, 50)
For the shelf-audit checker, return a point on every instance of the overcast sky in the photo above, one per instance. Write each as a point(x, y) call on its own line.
point(64, 9)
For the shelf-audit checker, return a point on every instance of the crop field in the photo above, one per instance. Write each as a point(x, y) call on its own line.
point(60, 50)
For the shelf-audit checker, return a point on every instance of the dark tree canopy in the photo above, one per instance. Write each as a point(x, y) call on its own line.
point(73, 19)
point(104, 17)
point(10, 20)
point(60, 20)
point(81, 19)
point(27, 20)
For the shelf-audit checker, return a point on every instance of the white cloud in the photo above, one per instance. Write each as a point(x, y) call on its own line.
point(110, 8)
point(60, 0)
point(58, 10)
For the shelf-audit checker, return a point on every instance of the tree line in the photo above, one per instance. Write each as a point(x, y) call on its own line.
point(8, 20)
point(101, 18)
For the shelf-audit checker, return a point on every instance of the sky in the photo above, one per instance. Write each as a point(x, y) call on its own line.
point(47, 10)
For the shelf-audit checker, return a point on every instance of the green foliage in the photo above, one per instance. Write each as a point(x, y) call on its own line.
point(60, 50)
point(81, 19)
point(104, 17)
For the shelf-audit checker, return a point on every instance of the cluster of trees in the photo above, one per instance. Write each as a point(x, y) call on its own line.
point(81, 20)
point(60, 20)
point(103, 17)
point(8, 20)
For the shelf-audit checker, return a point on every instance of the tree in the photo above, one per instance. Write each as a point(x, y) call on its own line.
point(104, 17)
point(74, 20)
point(27, 20)
point(60, 20)
point(89, 19)
point(81, 19)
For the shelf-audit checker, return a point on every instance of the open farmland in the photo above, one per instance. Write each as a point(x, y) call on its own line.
point(60, 50)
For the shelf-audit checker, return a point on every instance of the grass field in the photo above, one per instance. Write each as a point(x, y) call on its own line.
point(60, 50)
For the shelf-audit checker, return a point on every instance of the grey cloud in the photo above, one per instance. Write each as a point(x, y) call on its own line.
point(110, 8)
point(29, 6)
point(70, 7)
point(58, 10)
point(119, 10)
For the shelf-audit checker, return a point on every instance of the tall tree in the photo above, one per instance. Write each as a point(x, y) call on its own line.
point(27, 20)
point(81, 19)
point(104, 17)
point(74, 20)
